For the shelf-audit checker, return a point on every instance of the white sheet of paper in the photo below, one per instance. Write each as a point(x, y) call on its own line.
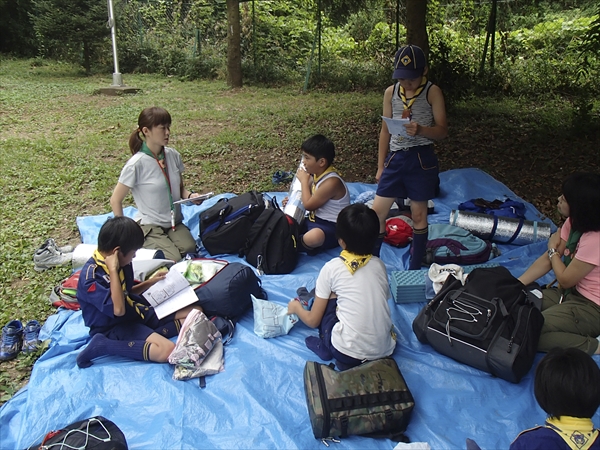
point(195, 199)
point(170, 294)
point(396, 126)
point(180, 300)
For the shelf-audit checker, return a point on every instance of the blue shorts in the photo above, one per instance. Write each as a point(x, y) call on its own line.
point(329, 319)
point(410, 174)
point(327, 227)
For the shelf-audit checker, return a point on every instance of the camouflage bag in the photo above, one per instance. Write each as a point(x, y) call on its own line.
point(371, 399)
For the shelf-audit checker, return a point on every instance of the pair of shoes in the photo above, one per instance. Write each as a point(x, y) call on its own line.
point(51, 255)
point(16, 338)
point(281, 176)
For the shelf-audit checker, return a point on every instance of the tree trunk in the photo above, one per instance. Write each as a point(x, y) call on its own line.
point(87, 58)
point(234, 54)
point(416, 28)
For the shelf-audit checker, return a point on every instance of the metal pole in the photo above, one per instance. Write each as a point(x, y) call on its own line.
point(117, 77)
point(397, 24)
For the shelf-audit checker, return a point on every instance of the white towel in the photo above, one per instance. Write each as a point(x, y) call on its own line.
point(438, 274)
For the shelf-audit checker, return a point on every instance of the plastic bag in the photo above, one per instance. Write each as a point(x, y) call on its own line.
point(271, 319)
point(199, 348)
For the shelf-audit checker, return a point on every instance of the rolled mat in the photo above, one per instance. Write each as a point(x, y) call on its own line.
point(504, 230)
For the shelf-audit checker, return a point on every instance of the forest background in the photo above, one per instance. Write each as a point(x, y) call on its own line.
point(528, 113)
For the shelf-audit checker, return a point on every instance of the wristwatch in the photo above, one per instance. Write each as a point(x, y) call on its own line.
point(552, 252)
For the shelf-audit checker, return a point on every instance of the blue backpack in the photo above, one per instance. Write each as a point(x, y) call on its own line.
point(449, 244)
point(506, 208)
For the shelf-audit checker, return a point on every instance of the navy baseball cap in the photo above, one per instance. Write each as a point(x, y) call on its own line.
point(409, 62)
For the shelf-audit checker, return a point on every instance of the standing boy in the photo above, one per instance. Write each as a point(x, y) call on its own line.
point(407, 166)
point(119, 323)
point(324, 194)
point(351, 297)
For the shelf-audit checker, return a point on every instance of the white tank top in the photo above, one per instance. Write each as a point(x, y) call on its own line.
point(330, 210)
point(421, 113)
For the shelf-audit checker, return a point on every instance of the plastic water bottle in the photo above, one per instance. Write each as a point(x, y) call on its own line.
point(294, 207)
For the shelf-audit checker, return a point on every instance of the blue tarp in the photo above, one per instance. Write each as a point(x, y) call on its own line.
point(258, 401)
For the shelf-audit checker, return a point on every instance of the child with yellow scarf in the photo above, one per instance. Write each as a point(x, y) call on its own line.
point(351, 307)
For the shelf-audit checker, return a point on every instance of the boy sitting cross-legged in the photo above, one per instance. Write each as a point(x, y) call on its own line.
point(120, 321)
point(351, 297)
point(324, 194)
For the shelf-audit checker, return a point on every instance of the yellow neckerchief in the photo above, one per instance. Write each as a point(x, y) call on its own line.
point(409, 102)
point(579, 434)
point(354, 262)
point(139, 308)
point(313, 187)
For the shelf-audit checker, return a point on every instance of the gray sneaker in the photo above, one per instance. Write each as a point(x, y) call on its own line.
point(48, 256)
point(52, 243)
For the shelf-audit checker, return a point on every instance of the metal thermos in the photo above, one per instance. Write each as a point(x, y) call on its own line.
point(294, 207)
point(504, 230)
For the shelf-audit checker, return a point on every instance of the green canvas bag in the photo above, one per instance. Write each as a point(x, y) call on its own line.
point(371, 399)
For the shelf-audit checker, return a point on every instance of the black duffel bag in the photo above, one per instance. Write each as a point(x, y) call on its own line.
point(225, 225)
point(492, 323)
point(95, 433)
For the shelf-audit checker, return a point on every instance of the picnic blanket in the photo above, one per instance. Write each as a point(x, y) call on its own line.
point(259, 401)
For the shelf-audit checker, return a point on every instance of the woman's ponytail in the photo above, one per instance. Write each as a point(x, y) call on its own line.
point(135, 141)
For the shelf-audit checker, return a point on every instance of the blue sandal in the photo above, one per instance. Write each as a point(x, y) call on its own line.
point(282, 176)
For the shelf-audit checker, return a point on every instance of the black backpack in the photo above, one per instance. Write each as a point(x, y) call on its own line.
point(272, 243)
point(225, 225)
point(491, 323)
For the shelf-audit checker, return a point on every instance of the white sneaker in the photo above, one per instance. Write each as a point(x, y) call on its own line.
point(48, 256)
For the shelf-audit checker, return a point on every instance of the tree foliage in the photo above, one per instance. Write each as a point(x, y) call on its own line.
point(74, 30)
point(16, 31)
point(540, 46)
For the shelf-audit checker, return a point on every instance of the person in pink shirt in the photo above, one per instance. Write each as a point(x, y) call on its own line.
point(572, 310)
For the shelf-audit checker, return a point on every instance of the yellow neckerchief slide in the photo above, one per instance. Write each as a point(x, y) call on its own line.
point(579, 434)
point(354, 262)
point(139, 308)
point(313, 187)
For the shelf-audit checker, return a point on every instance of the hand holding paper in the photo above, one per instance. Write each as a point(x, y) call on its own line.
point(170, 294)
point(396, 126)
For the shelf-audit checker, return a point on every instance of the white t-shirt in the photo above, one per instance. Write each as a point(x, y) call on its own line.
point(588, 251)
point(145, 178)
point(364, 330)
